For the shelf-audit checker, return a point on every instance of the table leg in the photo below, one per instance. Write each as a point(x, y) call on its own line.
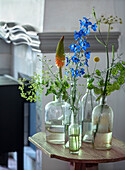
point(91, 166)
point(79, 166)
point(83, 166)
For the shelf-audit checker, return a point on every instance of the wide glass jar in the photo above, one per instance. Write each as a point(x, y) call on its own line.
point(55, 120)
point(102, 123)
point(88, 102)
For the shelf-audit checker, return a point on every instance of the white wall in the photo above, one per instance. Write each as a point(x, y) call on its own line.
point(29, 12)
point(63, 16)
point(23, 12)
point(24, 60)
point(5, 57)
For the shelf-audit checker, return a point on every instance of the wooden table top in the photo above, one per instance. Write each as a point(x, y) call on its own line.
point(86, 154)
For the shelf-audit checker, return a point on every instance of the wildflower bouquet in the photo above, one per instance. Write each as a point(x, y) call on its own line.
point(54, 83)
point(111, 78)
point(77, 62)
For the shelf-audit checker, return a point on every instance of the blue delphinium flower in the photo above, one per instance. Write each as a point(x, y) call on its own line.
point(86, 62)
point(94, 27)
point(78, 35)
point(76, 73)
point(87, 54)
point(84, 44)
point(67, 61)
point(81, 46)
point(74, 48)
point(82, 71)
point(85, 23)
point(75, 59)
point(72, 71)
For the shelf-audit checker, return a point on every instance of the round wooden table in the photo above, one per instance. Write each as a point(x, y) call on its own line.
point(87, 157)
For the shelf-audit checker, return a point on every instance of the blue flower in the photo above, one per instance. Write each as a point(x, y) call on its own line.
point(84, 44)
point(72, 71)
point(82, 32)
point(85, 23)
point(80, 64)
point(87, 54)
point(87, 31)
point(94, 27)
point(68, 61)
point(77, 35)
point(76, 73)
point(74, 47)
point(86, 62)
point(75, 59)
point(82, 71)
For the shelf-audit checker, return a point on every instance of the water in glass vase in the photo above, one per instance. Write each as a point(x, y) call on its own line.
point(74, 143)
point(87, 131)
point(66, 136)
point(54, 133)
point(103, 141)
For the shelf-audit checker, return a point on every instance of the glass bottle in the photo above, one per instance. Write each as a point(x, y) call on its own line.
point(75, 103)
point(74, 135)
point(88, 102)
point(67, 123)
point(55, 120)
point(102, 123)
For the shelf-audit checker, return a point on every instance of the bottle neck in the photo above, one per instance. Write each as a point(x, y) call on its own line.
point(89, 90)
point(103, 101)
point(73, 94)
point(72, 118)
point(59, 99)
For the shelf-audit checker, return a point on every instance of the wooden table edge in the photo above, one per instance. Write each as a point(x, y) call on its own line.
point(51, 155)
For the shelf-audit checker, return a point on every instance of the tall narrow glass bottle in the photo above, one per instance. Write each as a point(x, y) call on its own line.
point(75, 108)
point(75, 103)
point(88, 102)
point(74, 135)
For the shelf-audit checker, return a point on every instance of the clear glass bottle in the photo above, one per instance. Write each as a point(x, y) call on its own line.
point(88, 102)
point(55, 120)
point(74, 135)
point(67, 123)
point(75, 102)
point(102, 123)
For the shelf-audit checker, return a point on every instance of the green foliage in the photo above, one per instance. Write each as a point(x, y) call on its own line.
point(90, 86)
point(116, 78)
point(113, 77)
point(98, 72)
point(48, 80)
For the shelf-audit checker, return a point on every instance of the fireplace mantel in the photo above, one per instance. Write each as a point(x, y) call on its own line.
point(46, 42)
point(49, 40)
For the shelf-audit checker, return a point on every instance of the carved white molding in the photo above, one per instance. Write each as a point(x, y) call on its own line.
point(46, 42)
point(16, 34)
point(49, 40)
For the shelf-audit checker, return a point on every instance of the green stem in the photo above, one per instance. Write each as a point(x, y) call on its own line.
point(99, 41)
point(50, 70)
point(73, 91)
point(60, 73)
point(107, 73)
point(104, 92)
point(113, 59)
point(106, 79)
point(94, 68)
